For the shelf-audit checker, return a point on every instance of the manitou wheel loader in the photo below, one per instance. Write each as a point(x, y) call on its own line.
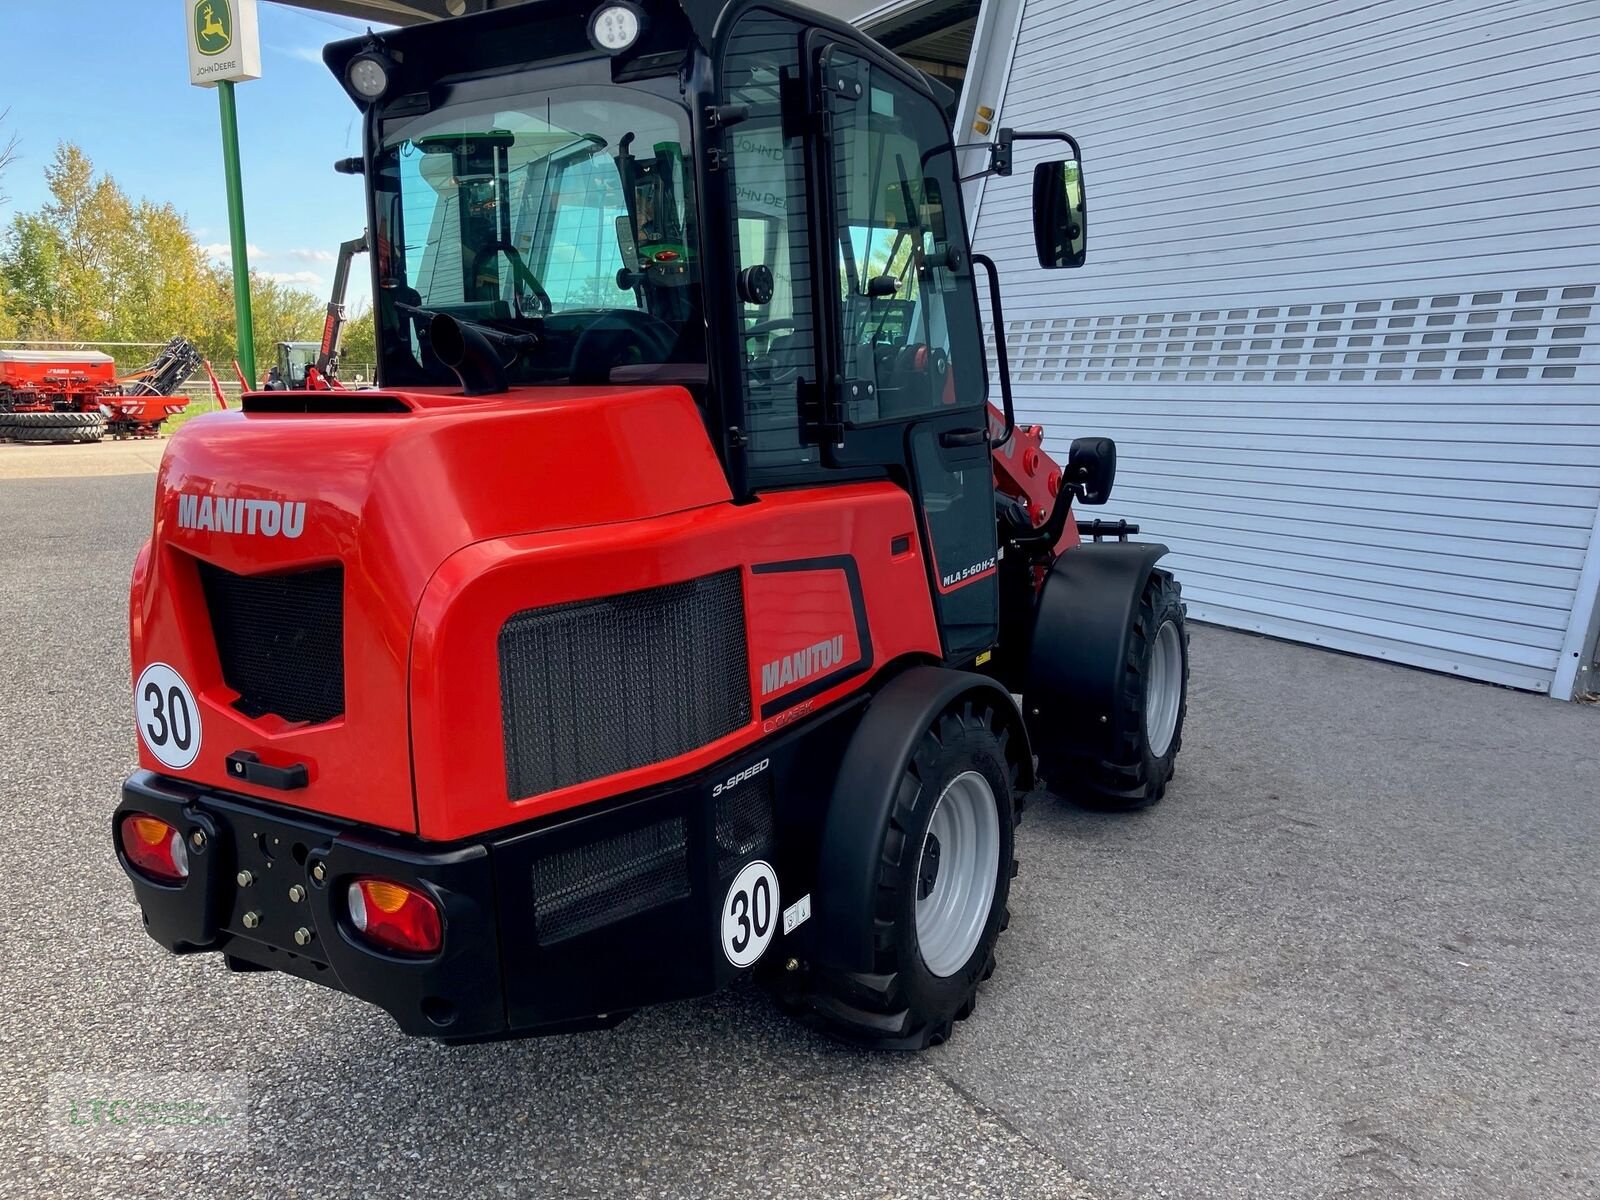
point(661, 616)
point(314, 366)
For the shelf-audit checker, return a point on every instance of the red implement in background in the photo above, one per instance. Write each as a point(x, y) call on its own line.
point(77, 395)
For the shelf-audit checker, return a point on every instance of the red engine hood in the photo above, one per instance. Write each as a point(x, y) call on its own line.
point(388, 496)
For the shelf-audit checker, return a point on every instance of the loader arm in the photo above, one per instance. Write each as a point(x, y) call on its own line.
point(327, 364)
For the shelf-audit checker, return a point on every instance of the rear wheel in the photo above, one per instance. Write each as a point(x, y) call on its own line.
point(943, 879)
point(58, 434)
point(1152, 701)
point(55, 426)
point(55, 420)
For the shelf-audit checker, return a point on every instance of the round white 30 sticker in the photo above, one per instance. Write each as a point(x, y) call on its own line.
point(169, 721)
point(750, 913)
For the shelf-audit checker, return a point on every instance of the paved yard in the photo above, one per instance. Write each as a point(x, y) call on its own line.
point(1355, 954)
point(35, 460)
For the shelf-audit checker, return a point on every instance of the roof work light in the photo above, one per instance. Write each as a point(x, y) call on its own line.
point(368, 74)
point(614, 28)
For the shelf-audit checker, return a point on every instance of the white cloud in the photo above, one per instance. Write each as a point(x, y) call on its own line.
point(304, 278)
point(223, 252)
point(309, 255)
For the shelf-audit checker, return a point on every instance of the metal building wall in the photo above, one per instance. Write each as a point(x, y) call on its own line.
point(1339, 313)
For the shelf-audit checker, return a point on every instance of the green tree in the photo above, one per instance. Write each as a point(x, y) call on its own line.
point(30, 265)
point(360, 344)
point(282, 314)
point(93, 265)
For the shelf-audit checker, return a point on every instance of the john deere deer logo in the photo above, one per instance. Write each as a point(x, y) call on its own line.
point(213, 26)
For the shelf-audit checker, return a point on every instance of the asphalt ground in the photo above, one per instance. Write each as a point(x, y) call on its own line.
point(1354, 954)
point(35, 460)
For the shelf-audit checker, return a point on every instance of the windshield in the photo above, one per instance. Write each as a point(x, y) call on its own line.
point(567, 215)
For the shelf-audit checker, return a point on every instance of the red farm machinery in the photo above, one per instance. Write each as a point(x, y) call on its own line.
point(77, 395)
point(678, 606)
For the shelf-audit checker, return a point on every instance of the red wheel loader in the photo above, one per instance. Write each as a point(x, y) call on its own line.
point(661, 616)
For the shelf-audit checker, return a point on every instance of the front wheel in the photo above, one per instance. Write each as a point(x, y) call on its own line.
point(1152, 698)
point(943, 879)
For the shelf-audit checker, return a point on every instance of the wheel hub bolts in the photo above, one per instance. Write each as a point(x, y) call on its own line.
point(928, 873)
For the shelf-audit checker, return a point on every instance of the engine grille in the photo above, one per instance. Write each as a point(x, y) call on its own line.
point(601, 686)
point(582, 889)
point(280, 639)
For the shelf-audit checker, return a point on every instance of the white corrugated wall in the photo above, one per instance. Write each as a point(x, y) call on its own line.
point(1340, 311)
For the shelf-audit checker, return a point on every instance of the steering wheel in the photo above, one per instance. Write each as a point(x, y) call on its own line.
point(605, 343)
point(519, 271)
point(772, 326)
point(760, 365)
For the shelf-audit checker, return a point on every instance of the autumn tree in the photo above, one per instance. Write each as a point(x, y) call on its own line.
point(360, 351)
point(93, 265)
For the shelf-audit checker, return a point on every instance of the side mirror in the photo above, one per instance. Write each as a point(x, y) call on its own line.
point(1060, 214)
point(1092, 468)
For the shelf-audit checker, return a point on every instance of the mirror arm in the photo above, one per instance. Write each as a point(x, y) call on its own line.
point(1000, 149)
point(998, 319)
point(1044, 136)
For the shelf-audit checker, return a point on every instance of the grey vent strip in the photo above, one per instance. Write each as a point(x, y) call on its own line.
point(1487, 337)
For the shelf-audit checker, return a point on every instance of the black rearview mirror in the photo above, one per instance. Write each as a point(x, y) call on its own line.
point(1092, 469)
point(1060, 214)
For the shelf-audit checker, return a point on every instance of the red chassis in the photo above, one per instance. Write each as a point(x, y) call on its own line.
point(629, 495)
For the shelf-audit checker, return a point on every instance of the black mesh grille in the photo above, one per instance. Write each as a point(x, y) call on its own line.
point(744, 824)
point(579, 890)
point(280, 639)
point(601, 686)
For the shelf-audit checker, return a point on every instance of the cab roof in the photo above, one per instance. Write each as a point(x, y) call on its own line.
point(536, 31)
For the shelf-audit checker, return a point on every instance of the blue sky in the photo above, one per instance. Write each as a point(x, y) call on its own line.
point(112, 75)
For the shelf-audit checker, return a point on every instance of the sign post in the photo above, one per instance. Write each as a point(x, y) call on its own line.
point(225, 47)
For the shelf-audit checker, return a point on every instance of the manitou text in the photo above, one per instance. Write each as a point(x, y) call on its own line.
point(225, 514)
point(802, 664)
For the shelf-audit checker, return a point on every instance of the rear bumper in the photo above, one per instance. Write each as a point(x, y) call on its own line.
point(568, 922)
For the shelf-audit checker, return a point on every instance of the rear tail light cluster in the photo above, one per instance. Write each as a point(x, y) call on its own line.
point(395, 916)
point(155, 848)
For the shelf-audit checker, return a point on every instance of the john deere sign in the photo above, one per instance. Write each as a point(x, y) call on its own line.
point(223, 41)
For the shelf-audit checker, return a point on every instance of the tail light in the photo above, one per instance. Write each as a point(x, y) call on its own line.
point(155, 848)
point(395, 916)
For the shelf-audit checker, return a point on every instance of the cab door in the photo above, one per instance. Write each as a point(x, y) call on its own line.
point(905, 384)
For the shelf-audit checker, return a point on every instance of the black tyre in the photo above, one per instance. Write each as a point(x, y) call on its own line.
point(55, 420)
point(60, 435)
point(90, 433)
point(944, 877)
point(1152, 701)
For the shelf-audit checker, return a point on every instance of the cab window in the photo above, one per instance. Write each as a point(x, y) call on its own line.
point(761, 72)
point(908, 315)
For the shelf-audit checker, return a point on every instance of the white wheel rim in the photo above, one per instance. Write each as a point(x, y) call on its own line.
point(1163, 689)
point(956, 873)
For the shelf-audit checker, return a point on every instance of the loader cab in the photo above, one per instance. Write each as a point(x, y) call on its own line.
point(293, 360)
point(746, 199)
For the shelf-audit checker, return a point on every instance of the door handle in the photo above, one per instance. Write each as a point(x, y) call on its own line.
point(998, 320)
point(963, 437)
